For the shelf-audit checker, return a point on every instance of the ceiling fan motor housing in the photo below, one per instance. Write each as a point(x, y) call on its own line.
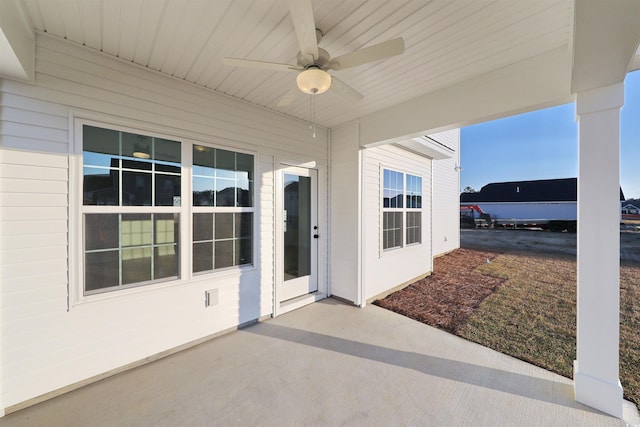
point(322, 61)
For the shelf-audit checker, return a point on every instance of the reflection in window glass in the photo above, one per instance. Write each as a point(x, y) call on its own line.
point(222, 178)
point(414, 192)
point(141, 164)
point(392, 189)
point(101, 186)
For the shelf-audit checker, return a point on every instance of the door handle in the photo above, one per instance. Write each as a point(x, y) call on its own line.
point(315, 236)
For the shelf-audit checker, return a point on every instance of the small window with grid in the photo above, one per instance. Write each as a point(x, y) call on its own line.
point(401, 209)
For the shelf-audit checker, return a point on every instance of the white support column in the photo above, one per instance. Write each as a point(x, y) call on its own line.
point(596, 370)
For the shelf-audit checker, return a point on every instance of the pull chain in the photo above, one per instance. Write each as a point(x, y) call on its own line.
point(312, 111)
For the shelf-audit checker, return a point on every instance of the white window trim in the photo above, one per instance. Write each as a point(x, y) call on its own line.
point(76, 295)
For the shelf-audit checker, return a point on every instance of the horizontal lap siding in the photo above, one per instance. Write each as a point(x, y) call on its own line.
point(386, 270)
point(446, 195)
point(45, 346)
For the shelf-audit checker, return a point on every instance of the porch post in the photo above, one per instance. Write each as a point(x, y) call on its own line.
point(596, 370)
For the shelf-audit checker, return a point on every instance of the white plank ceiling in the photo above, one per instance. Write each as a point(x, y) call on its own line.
point(447, 41)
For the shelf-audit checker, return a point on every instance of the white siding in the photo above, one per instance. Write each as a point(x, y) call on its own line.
point(45, 345)
point(446, 195)
point(531, 211)
point(384, 270)
point(345, 213)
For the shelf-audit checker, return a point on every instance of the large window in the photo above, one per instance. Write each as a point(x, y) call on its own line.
point(132, 209)
point(401, 209)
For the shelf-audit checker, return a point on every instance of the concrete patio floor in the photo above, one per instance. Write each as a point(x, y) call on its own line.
point(328, 363)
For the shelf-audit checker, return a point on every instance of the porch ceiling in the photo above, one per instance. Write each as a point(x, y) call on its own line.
point(447, 42)
point(489, 58)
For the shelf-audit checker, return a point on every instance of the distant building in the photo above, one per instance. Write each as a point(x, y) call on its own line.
point(631, 208)
point(534, 203)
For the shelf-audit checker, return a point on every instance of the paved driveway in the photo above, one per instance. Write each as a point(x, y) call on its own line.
point(543, 241)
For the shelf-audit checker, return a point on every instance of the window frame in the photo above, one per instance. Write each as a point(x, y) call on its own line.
point(404, 210)
point(76, 267)
point(214, 210)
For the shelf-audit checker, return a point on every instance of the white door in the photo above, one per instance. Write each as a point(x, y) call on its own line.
point(299, 233)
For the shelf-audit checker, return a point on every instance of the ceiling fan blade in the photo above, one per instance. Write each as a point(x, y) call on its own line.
point(302, 15)
point(345, 90)
point(368, 54)
point(289, 97)
point(250, 63)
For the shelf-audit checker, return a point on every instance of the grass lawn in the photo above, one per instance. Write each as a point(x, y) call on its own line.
point(532, 315)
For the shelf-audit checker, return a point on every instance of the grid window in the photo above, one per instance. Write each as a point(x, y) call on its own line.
point(124, 173)
point(414, 228)
point(221, 240)
point(392, 230)
point(222, 178)
point(401, 209)
point(223, 209)
point(132, 209)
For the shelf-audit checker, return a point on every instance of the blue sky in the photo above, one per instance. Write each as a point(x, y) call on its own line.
point(543, 145)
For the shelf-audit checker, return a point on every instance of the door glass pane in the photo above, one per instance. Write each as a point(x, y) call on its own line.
point(297, 226)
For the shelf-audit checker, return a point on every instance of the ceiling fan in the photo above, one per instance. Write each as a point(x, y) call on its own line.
point(314, 62)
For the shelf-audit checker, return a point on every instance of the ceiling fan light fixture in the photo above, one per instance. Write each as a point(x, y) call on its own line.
point(313, 81)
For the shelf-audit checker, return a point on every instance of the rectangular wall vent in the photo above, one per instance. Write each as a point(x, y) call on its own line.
point(211, 297)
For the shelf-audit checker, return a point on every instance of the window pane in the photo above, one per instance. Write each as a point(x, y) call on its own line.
point(414, 227)
point(101, 270)
point(203, 191)
point(243, 235)
point(414, 192)
point(392, 189)
point(100, 186)
point(202, 226)
point(167, 190)
point(203, 160)
point(100, 231)
point(245, 164)
point(223, 254)
point(243, 251)
point(135, 230)
point(392, 230)
point(166, 150)
point(166, 228)
point(165, 261)
point(136, 265)
point(244, 225)
point(136, 146)
point(225, 192)
point(225, 161)
point(98, 159)
point(223, 226)
point(100, 140)
point(202, 257)
point(136, 189)
point(245, 196)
